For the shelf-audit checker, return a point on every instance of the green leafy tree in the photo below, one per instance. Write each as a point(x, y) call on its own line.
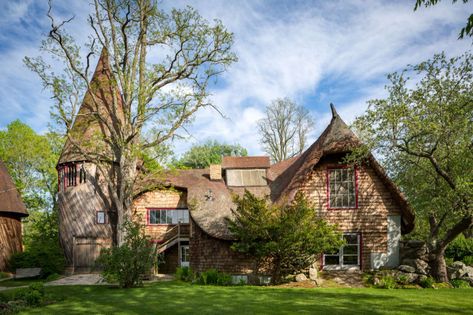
point(31, 159)
point(161, 64)
point(288, 238)
point(424, 131)
point(211, 152)
point(127, 263)
point(465, 31)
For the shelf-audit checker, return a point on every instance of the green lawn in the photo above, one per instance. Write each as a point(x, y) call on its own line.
point(183, 298)
point(19, 282)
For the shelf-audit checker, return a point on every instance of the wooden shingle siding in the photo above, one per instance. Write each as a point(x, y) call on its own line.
point(78, 206)
point(208, 252)
point(158, 199)
point(375, 202)
point(10, 238)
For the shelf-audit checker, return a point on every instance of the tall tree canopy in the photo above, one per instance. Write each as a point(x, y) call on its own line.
point(161, 65)
point(211, 152)
point(283, 130)
point(424, 132)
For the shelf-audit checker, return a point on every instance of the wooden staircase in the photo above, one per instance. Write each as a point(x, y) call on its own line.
point(176, 235)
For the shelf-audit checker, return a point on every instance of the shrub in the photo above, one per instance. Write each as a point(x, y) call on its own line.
point(4, 275)
point(33, 295)
point(427, 282)
point(46, 255)
point(468, 260)
point(214, 277)
point(403, 279)
point(460, 248)
point(126, 264)
point(184, 274)
point(458, 283)
point(386, 282)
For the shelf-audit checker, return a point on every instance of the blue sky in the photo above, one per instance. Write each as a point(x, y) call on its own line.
point(314, 52)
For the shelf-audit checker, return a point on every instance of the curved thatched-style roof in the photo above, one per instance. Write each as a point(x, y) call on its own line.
point(210, 201)
point(88, 130)
point(10, 200)
point(336, 138)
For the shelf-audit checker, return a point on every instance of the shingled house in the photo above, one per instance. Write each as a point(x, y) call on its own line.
point(12, 210)
point(185, 213)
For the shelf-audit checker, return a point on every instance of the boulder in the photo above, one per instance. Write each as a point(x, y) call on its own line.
point(420, 265)
point(458, 265)
point(407, 269)
point(313, 273)
point(301, 277)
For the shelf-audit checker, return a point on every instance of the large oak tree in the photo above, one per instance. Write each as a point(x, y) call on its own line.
point(161, 64)
point(424, 132)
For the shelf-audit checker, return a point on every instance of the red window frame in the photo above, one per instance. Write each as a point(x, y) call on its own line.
point(355, 169)
point(148, 210)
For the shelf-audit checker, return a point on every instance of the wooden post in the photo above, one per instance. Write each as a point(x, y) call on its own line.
point(179, 243)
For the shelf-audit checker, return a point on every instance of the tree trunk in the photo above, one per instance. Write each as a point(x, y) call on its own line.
point(438, 267)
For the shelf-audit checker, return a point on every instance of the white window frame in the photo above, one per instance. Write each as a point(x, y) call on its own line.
point(168, 216)
point(340, 255)
point(352, 198)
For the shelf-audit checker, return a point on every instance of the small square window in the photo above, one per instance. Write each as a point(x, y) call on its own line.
point(100, 217)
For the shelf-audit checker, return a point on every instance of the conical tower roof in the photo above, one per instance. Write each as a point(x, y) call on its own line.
point(10, 200)
point(95, 116)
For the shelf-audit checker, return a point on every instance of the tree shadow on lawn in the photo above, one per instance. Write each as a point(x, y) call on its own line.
point(179, 298)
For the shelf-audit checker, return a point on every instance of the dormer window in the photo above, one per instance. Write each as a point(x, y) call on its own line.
point(342, 188)
point(245, 171)
point(246, 177)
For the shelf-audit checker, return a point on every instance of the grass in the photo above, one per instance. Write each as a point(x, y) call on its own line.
point(183, 298)
point(19, 282)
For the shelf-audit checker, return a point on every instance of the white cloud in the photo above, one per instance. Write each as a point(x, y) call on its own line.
point(314, 52)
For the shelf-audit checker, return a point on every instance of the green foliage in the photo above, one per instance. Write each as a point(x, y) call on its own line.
point(211, 152)
point(214, 277)
point(423, 133)
point(461, 249)
point(386, 282)
point(4, 275)
point(402, 279)
point(460, 284)
point(33, 295)
point(127, 263)
point(45, 255)
point(185, 274)
point(288, 237)
point(31, 160)
point(427, 282)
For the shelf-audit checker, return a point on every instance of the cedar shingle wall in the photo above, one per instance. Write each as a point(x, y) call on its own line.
point(10, 238)
point(208, 252)
point(370, 218)
point(158, 199)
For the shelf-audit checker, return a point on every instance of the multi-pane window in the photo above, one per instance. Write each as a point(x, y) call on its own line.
point(347, 256)
point(342, 188)
point(168, 216)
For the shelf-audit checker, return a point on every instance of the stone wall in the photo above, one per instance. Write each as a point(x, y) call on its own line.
point(369, 219)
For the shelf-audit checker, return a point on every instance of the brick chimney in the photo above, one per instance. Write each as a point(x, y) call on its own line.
point(215, 172)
